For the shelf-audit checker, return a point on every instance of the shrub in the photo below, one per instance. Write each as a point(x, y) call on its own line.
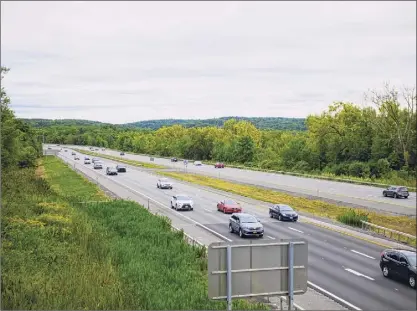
point(301, 166)
point(352, 218)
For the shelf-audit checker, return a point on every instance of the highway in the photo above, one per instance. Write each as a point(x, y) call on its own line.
point(350, 194)
point(345, 266)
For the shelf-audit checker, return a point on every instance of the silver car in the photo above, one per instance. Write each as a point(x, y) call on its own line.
point(182, 202)
point(164, 183)
point(98, 165)
point(246, 225)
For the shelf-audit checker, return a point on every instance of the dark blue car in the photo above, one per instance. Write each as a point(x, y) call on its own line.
point(283, 212)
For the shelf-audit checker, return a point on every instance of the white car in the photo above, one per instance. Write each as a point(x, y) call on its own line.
point(198, 163)
point(87, 160)
point(98, 165)
point(164, 183)
point(182, 202)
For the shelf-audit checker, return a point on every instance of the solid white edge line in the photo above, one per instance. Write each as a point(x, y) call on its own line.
point(333, 296)
point(159, 203)
point(271, 237)
point(295, 229)
point(359, 253)
point(310, 284)
point(359, 274)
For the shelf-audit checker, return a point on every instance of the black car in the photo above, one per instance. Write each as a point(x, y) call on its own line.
point(121, 168)
point(396, 192)
point(111, 171)
point(174, 160)
point(122, 153)
point(283, 212)
point(399, 263)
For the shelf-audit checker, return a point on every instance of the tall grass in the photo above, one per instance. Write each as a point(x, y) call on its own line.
point(58, 253)
point(352, 217)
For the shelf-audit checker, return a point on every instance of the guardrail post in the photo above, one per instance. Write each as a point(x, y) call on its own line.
point(229, 278)
point(290, 276)
point(280, 303)
point(148, 204)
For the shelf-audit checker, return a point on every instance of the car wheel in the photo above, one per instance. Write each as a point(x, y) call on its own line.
point(230, 228)
point(395, 196)
point(280, 218)
point(384, 194)
point(385, 271)
point(176, 207)
point(412, 281)
point(406, 197)
point(270, 214)
point(157, 186)
point(172, 205)
point(261, 235)
point(192, 209)
point(241, 233)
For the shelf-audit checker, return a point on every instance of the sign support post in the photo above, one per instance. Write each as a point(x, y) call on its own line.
point(290, 276)
point(229, 278)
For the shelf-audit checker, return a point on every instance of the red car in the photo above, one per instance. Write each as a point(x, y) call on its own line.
point(229, 206)
point(219, 165)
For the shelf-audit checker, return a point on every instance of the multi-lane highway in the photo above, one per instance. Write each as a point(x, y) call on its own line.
point(359, 195)
point(343, 265)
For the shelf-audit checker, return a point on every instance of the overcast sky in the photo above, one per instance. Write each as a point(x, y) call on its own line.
point(128, 61)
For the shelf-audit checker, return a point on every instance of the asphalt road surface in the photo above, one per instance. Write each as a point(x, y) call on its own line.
point(359, 195)
point(343, 265)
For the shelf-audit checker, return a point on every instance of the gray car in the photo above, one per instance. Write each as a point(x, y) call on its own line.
point(246, 225)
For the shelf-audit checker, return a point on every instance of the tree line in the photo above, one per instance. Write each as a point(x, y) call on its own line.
point(274, 123)
point(346, 140)
point(20, 145)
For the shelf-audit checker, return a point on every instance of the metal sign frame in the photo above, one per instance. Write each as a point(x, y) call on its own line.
point(262, 248)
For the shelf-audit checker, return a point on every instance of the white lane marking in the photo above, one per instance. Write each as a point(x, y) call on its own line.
point(352, 250)
point(337, 298)
point(163, 205)
point(311, 284)
point(295, 229)
point(359, 274)
point(208, 210)
point(272, 238)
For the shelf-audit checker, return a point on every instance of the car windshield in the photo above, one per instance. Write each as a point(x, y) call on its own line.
point(412, 259)
point(248, 219)
point(402, 189)
point(285, 208)
point(182, 197)
point(230, 202)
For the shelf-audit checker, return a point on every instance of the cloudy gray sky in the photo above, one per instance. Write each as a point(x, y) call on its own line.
point(128, 61)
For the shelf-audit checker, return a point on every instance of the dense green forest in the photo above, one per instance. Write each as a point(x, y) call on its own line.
point(20, 145)
point(260, 123)
point(377, 141)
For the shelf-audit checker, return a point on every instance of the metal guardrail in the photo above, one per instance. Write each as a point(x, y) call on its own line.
point(391, 233)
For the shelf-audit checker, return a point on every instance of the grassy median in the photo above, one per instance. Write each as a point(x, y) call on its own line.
point(316, 207)
point(58, 253)
point(120, 159)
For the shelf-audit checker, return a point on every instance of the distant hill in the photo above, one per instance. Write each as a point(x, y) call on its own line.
point(49, 122)
point(274, 123)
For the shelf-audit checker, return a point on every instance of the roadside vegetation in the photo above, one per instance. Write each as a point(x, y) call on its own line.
point(58, 253)
point(120, 159)
point(66, 246)
point(319, 208)
point(374, 143)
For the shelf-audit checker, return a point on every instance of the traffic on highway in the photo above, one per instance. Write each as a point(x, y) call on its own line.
point(365, 275)
point(349, 194)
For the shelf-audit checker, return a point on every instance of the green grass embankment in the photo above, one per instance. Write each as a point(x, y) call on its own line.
point(114, 255)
